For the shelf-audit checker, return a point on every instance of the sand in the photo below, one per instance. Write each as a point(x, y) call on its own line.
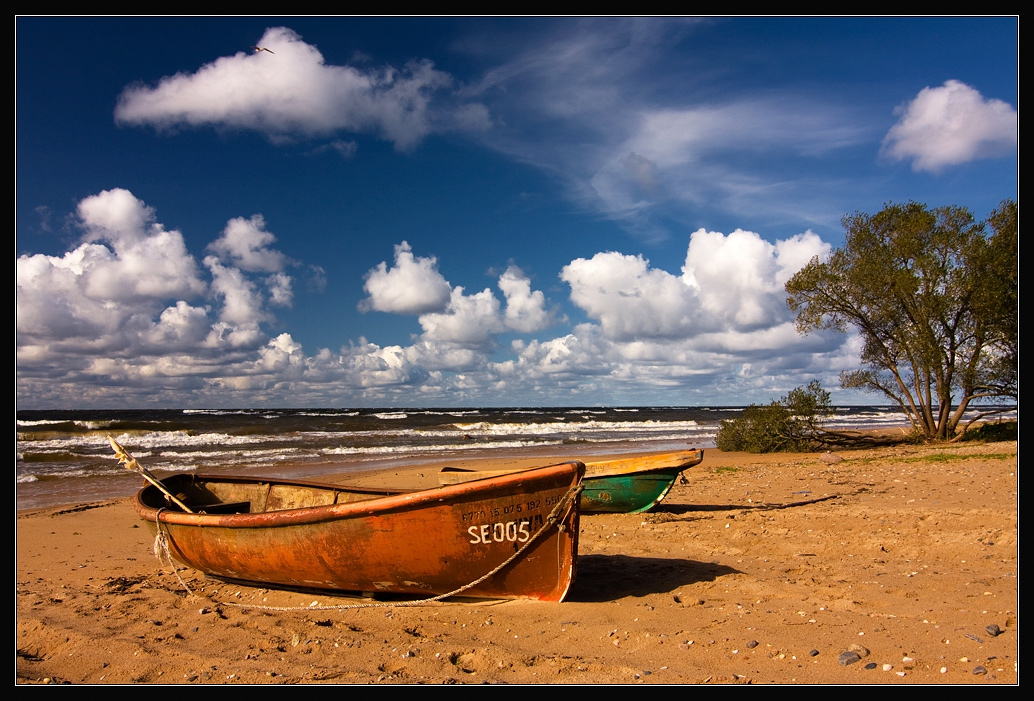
point(762, 569)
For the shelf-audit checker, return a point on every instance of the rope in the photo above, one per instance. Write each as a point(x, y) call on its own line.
point(551, 520)
point(161, 547)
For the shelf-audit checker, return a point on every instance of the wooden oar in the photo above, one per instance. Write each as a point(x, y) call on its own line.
point(130, 463)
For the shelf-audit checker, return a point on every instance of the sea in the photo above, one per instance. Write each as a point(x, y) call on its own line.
point(64, 457)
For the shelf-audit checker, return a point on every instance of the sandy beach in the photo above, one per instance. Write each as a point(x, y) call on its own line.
point(880, 566)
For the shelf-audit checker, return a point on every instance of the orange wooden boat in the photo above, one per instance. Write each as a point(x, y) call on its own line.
point(513, 536)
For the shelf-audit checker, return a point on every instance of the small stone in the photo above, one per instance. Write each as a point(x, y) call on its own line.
point(813, 653)
point(980, 669)
point(830, 458)
point(752, 644)
point(861, 650)
point(871, 665)
point(848, 657)
point(993, 630)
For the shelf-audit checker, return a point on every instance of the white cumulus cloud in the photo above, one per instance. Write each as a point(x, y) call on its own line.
point(729, 282)
point(949, 125)
point(147, 260)
point(412, 286)
point(132, 305)
point(629, 297)
point(290, 90)
point(246, 244)
point(469, 320)
point(739, 278)
point(93, 318)
point(525, 308)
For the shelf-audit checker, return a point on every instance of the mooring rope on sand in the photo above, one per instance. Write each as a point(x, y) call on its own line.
point(161, 548)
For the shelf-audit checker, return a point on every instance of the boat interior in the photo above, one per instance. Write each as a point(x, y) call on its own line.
point(214, 495)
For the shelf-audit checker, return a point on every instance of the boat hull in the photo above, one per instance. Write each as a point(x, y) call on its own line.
point(624, 485)
point(626, 494)
point(515, 536)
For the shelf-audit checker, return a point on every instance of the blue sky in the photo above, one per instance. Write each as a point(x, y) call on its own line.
point(471, 211)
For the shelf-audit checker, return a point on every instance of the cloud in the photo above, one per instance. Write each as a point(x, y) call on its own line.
point(293, 92)
point(143, 259)
point(469, 320)
point(739, 278)
point(629, 298)
point(368, 365)
point(678, 160)
point(242, 300)
point(87, 319)
point(435, 357)
point(412, 286)
point(951, 125)
point(732, 282)
point(449, 315)
point(623, 113)
point(525, 309)
point(584, 353)
point(280, 292)
point(245, 243)
point(345, 149)
point(132, 304)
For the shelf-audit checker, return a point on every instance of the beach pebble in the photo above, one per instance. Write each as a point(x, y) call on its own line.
point(871, 665)
point(830, 458)
point(993, 630)
point(752, 644)
point(813, 653)
point(980, 669)
point(860, 649)
point(848, 657)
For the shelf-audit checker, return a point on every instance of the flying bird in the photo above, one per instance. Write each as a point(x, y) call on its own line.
point(257, 49)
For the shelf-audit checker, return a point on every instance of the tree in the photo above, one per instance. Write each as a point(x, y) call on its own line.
point(935, 301)
point(790, 424)
point(1001, 305)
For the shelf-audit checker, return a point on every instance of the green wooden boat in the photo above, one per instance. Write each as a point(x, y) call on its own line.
point(624, 485)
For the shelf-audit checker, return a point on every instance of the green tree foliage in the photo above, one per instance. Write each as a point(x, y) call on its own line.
point(934, 297)
point(790, 424)
point(1000, 304)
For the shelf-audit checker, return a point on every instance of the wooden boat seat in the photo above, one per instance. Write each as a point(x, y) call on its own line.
point(229, 507)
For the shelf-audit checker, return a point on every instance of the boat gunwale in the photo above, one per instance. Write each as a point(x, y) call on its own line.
point(383, 501)
point(634, 465)
point(599, 469)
